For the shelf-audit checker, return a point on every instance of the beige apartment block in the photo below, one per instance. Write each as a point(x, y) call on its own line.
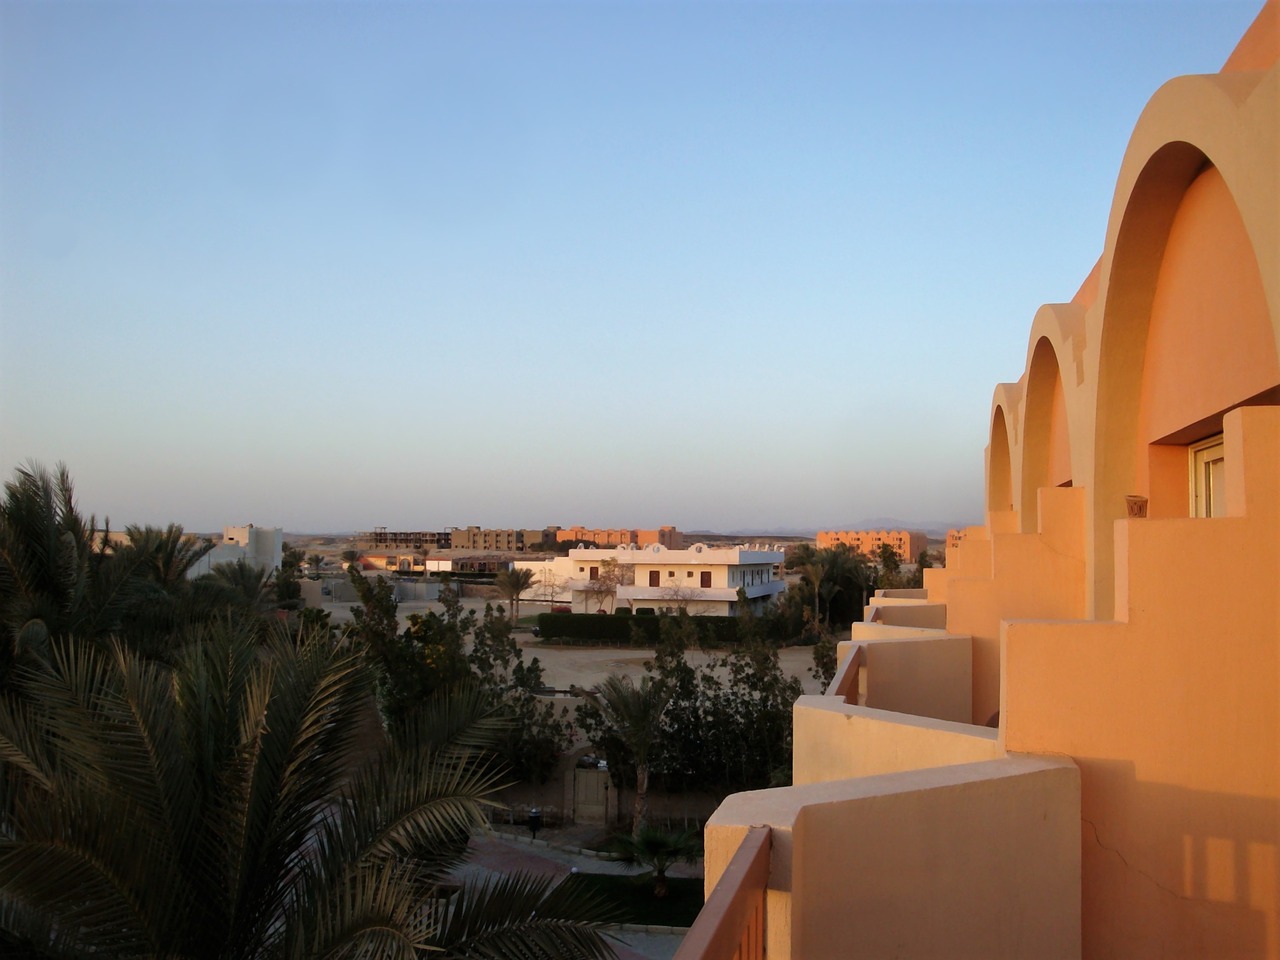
point(1068, 744)
point(668, 537)
point(907, 544)
point(498, 541)
point(382, 539)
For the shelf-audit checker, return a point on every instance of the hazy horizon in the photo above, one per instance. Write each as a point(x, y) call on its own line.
point(715, 265)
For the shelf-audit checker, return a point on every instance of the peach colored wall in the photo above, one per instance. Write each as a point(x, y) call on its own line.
point(927, 676)
point(906, 614)
point(1210, 343)
point(973, 860)
point(1172, 716)
point(1039, 575)
point(836, 740)
point(999, 469)
point(1146, 650)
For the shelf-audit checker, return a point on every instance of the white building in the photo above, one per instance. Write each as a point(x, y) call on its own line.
point(702, 580)
point(261, 546)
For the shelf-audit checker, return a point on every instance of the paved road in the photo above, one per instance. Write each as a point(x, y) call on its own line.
point(499, 854)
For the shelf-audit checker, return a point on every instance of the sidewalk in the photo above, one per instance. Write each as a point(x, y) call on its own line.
point(556, 854)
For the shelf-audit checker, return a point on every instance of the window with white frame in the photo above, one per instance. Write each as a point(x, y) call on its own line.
point(1208, 478)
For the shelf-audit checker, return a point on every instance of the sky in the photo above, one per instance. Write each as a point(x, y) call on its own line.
point(737, 266)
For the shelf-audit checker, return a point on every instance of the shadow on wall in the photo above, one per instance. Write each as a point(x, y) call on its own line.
point(1230, 878)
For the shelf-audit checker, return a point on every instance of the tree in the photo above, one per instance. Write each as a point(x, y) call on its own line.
point(634, 714)
point(241, 585)
point(549, 585)
point(888, 558)
point(658, 850)
point(511, 583)
point(167, 556)
point(349, 557)
point(814, 573)
point(540, 734)
point(604, 585)
point(677, 595)
point(315, 562)
point(238, 806)
point(55, 578)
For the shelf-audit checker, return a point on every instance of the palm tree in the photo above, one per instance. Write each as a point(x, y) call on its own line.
point(166, 555)
point(54, 576)
point(241, 585)
point(814, 573)
point(511, 583)
point(634, 713)
point(315, 561)
point(658, 850)
point(246, 804)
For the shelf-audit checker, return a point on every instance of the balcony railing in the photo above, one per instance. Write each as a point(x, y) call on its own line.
point(730, 925)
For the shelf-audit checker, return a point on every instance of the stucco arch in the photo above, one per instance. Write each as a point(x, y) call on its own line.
point(999, 466)
point(1046, 441)
point(1192, 126)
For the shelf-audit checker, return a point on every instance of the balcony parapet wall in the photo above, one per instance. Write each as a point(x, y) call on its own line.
point(910, 670)
point(836, 740)
point(972, 860)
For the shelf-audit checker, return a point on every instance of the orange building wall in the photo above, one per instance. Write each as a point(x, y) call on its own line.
point(1148, 650)
point(1143, 652)
point(906, 543)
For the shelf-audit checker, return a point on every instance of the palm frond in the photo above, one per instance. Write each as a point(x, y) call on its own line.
point(526, 917)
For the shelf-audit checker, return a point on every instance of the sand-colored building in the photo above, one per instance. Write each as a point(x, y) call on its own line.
point(1084, 760)
point(498, 541)
point(669, 537)
point(907, 544)
point(382, 539)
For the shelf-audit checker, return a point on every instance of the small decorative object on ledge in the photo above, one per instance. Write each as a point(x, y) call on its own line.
point(1137, 506)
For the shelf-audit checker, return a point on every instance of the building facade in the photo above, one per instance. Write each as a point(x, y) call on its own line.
point(668, 537)
point(382, 539)
point(907, 544)
point(263, 547)
point(499, 541)
point(1081, 757)
point(701, 580)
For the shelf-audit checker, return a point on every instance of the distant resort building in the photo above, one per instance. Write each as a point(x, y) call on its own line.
point(500, 541)
point(907, 544)
point(511, 540)
point(416, 563)
point(701, 580)
point(668, 537)
point(263, 547)
point(380, 538)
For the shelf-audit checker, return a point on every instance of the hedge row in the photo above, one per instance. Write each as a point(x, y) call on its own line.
point(584, 628)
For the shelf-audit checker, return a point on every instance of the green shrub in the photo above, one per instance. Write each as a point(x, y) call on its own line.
point(640, 630)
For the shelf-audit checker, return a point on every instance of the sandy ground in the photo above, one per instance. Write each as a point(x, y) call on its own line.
point(566, 666)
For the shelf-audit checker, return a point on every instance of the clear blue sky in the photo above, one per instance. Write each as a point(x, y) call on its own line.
point(727, 265)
